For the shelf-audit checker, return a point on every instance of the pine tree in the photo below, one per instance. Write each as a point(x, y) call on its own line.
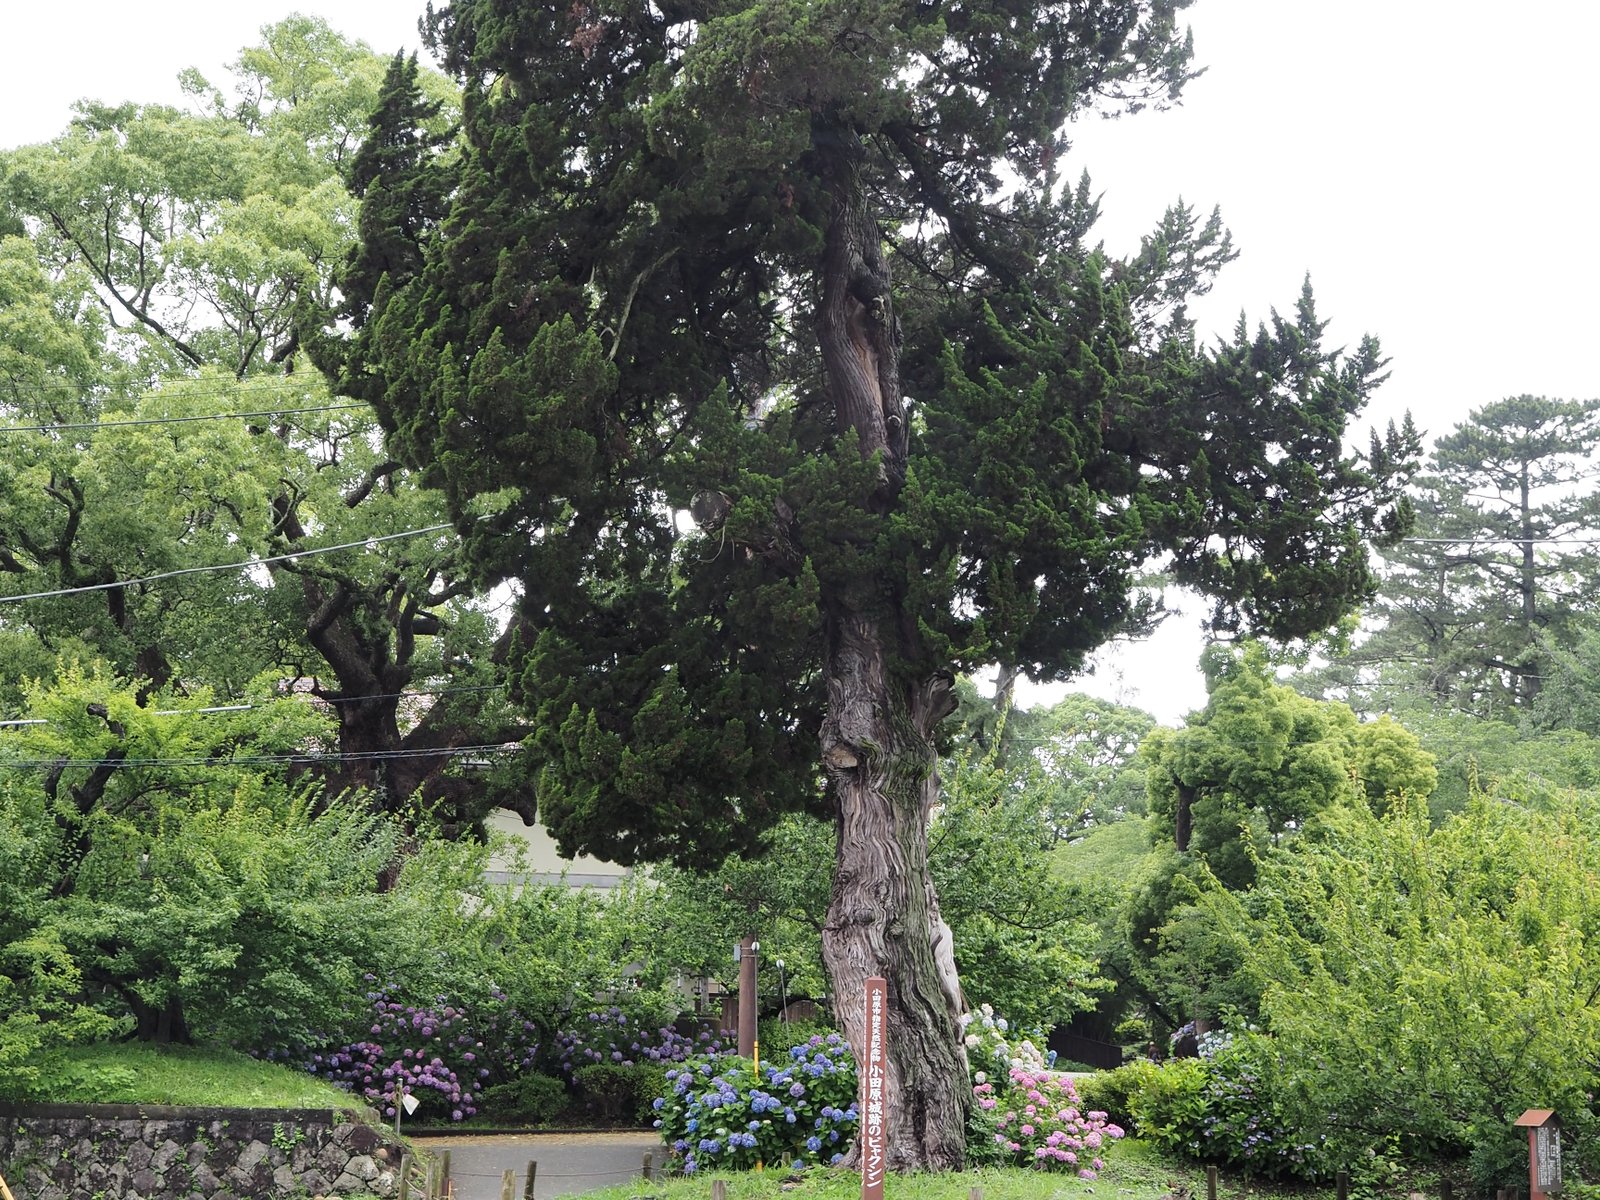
point(1496, 579)
point(762, 349)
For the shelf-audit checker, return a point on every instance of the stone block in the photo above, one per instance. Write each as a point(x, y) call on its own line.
point(205, 1179)
point(363, 1139)
point(254, 1153)
point(164, 1155)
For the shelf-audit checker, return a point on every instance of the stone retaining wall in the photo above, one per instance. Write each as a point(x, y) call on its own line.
point(145, 1152)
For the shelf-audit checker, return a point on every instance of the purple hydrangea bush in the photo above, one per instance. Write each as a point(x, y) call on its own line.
point(611, 1036)
point(440, 1053)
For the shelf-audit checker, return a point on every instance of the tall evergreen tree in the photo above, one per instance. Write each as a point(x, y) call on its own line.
point(763, 350)
point(1493, 587)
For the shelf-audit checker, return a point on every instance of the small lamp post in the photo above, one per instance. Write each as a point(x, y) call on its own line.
point(1544, 1152)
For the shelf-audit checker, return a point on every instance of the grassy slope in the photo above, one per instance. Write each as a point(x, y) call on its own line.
point(130, 1073)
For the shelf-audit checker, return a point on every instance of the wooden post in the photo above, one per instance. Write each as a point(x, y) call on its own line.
point(1341, 1185)
point(719, 1190)
point(403, 1186)
point(1447, 1190)
point(527, 1184)
point(444, 1174)
point(1211, 1183)
point(747, 998)
point(5, 1192)
point(649, 1166)
point(975, 1193)
point(508, 1185)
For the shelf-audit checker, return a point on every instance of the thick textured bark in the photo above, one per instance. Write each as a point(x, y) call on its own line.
point(883, 918)
point(877, 746)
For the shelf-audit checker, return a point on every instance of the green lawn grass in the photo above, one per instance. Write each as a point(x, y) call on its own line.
point(190, 1076)
point(1134, 1171)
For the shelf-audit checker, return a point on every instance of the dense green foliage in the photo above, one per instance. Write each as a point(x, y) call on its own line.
point(168, 875)
point(1410, 991)
point(596, 341)
point(167, 259)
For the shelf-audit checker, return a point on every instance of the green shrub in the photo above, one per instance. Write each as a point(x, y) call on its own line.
point(1169, 1105)
point(1112, 1092)
point(534, 1098)
point(984, 1149)
point(777, 1037)
point(1249, 1122)
point(649, 1081)
point(608, 1090)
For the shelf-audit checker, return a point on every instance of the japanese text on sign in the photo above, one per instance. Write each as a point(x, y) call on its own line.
point(874, 1087)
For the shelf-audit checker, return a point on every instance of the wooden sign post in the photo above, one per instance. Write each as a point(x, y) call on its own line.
point(875, 1091)
point(1544, 1152)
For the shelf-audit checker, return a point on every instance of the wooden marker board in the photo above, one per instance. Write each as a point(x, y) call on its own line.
point(875, 1091)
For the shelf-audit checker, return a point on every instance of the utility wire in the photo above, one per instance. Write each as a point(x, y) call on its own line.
point(307, 758)
point(1502, 541)
point(170, 385)
point(254, 562)
point(245, 706)
point(227, 416)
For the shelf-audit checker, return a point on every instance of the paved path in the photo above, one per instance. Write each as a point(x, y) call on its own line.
point(567, 1162)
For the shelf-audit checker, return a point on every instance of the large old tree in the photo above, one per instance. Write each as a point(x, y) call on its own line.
point(762, 348)
point(171, 257)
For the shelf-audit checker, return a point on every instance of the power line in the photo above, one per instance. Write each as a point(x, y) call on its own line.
point(254, 562)
point(1502, 541)
point(245, 706)
point(227, 416)
point(171, 384)
point(304, 758)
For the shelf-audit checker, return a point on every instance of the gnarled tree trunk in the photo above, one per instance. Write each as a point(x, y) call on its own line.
point(883, 918)
point(877, 744)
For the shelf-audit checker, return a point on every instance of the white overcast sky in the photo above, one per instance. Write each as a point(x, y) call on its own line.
point(1431, 163)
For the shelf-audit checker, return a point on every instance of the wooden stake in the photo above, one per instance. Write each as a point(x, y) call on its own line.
point(975, 1193)
point(403, 1188)
point(5, 1192)
point(1211, 1183)
point(649, 1166)
point(527, 1184)
point(719, 1190)
point(1447, 1190)
point(508, 1185)
point(1341, 1185)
